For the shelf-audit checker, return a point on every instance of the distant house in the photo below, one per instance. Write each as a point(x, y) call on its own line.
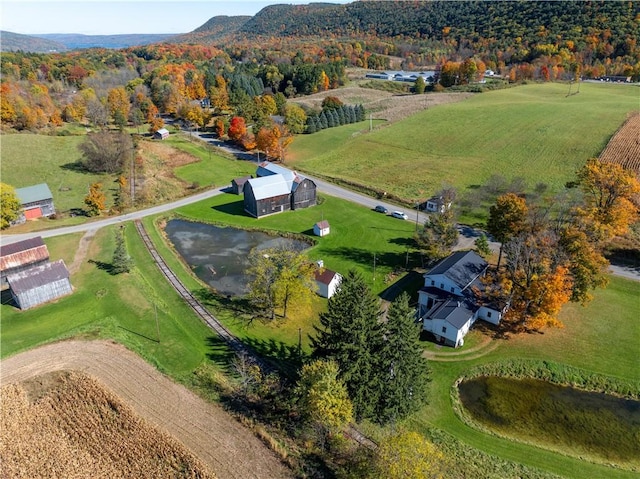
point(40, 284)
point(237, 184)
point(437, 204)
point(161, 134)
point(321, 228)
point(277, 189)
point(448, 304)
point(20, 256)
point(36, 201)
point(327, 281)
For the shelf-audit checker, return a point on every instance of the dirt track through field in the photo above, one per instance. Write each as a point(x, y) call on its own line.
point(230, 449)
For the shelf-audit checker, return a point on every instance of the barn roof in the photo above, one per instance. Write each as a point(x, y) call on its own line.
point(31, 194)
point(461, 267)
point(269, 186)
point(23, 252)
point(37, 276)
point(266, 168)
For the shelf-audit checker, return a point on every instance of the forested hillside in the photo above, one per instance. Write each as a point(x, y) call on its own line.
point(12, 42)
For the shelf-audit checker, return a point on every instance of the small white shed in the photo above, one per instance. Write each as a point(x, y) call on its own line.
point(321, 228)
point(161, 134)
point(328, 282)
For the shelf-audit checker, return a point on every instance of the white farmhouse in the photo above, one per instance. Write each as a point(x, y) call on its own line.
point(447, 304)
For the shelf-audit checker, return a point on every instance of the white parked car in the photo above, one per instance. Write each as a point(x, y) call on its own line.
point(400, 215)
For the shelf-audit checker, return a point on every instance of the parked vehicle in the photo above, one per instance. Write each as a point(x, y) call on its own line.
point(400, 215)
point(381, 209)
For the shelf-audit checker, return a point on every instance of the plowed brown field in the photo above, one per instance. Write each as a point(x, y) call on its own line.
point(227, 448)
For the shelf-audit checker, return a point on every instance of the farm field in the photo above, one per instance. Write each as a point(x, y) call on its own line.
point(534, 131)
point(624, 147)
point(119, 418)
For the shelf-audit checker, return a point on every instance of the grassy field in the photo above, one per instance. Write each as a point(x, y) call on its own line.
point(29, 159)
point(601, 337)
point(532, 131)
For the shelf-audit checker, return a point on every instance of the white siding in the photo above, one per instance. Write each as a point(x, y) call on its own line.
point(489, 315)
point(440, 281)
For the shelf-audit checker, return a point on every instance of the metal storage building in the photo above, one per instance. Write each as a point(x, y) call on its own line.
point(40, 284)
point(20, 256)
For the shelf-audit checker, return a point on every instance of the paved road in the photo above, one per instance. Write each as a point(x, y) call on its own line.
point(466, 239)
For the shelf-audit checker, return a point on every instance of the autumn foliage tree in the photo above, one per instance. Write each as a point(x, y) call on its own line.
point(9, 205)
point(237, 129)
point(95, 200)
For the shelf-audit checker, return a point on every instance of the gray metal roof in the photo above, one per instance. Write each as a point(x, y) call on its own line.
point(37, 276)
point(461, 267)
point(266, 168)
point(455, 312)
point(31, 194)
point(269, 186)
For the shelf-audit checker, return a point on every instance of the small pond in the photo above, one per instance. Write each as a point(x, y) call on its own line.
point(558, 417)
point(219, 256)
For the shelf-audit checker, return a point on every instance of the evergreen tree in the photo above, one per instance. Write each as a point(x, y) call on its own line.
point(360, 113)
point(351, 114)
point(482, 246)
point(122, 262)
point(331, 120)
point(336, 119)
point(324, 122)
point(405, 373)
point(341, 117)
point(311, 125)
point(350, 334)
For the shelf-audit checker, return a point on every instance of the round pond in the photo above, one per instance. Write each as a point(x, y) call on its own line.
point(558, 417)
point(219, 255)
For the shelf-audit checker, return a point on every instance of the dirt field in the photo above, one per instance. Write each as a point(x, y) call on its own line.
point(229, 449)
point(384, 105)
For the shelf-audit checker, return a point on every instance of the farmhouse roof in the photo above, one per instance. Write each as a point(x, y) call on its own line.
point(31, 194)
point(37, 276)
point(325, 276)
point(269, 186)
point(453, 311)
point(23, 252)
point(461, 267)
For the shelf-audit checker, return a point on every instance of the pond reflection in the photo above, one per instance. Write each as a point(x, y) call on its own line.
point(219, 255)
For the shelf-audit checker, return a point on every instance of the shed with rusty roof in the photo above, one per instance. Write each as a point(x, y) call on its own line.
point(20, 256)
point(40, 284)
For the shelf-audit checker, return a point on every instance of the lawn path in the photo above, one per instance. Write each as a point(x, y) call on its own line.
point(81, 252)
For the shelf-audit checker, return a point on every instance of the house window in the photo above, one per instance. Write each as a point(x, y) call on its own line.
point(433, 283)
point(444, 329)
point(441, 285)
point(453, 290)
point(488, 314)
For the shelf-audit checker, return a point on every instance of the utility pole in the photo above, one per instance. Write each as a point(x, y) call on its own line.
point(370, 121)
point(417, 214)
point(374, 267)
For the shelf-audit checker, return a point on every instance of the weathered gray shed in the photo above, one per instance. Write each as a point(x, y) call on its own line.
point(237, 184)
point(20, 256)
point(40, 284)
point(36, 201)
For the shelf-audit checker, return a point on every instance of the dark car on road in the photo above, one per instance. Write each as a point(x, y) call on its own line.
point(381, 209)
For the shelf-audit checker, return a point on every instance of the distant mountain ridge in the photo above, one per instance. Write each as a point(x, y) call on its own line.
point(12, 42)
point(76, 40)
point(214, 29)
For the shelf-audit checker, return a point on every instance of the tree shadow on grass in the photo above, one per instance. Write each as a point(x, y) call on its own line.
point(77, 167)
point(220, 353)
point(108, 267)
point(282, 357)
point(404, 241)
point(365, 257)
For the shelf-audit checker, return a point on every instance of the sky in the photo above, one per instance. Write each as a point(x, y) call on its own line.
point(99, 17)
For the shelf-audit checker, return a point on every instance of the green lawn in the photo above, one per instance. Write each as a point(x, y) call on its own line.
point(29, 159)
point(121, 307)
point(532, 131)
